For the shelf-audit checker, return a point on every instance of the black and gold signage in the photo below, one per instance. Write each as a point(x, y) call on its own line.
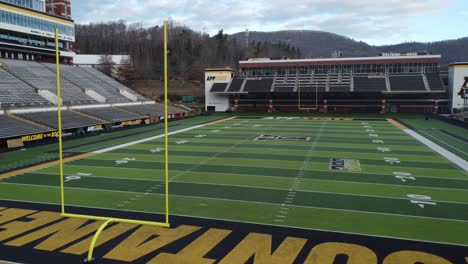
point(40, 136)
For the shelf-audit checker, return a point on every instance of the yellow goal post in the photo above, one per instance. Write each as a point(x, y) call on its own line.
point(108, 220)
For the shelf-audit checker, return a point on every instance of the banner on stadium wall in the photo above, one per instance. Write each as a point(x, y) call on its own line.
point(15, 143)
point(135, 122)
point(39, 136)
point(95, 128)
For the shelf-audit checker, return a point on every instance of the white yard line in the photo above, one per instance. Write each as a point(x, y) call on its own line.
point(147, 139)
point(443, 152)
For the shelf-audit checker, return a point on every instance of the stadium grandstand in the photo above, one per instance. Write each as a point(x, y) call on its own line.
point(91, 101)
point(409, 82)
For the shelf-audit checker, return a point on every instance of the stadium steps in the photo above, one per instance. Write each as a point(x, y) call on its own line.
point(426, 83)
point(5, 67)
point(92, 74)
point(62, 77)
point(24, 120)
point(90, 116)
point(122, 87)
point(387, 83)
point(74, 83)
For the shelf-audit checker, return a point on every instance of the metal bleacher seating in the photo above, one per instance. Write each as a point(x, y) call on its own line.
point(407, 83)
point(15, 93)
point(70, 119)
point(41, 78)
point(110, 81)
point(11, 127)
point(111, 114)
point(369, 83)
point(88, 82)
point(317, 83)
point(287, 83)
point(339, 82)
point(219, 87)
point(434, 81)
point(236, 85)
point(261, 85)
point(171, 109)
point(143, 110)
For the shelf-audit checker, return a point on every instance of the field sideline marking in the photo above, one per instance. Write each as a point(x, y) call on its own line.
point(159, 136)
point(422, 131)
point(249, 222)
point(444, 142)
point(43, 166)
point(243, 201)
point(443, 152)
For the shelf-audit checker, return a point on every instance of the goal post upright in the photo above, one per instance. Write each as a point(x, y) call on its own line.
point(59, 118)
point(166, 132)
point(109, 220)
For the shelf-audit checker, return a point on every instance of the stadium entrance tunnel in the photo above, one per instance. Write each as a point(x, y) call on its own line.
point(35, 233)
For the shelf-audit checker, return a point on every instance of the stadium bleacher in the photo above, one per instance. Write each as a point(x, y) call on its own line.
point(262, 85)
point(236, 85)
point(111, 114)
point(10, 127)
point(219, 87)
point(369, 84)
point(41, 78)
point(407, 83)
point(110, 81)
point(87, 81)
point(287, 83)
point(143, 110)
point(434, 81)
point(339, 83)
point(70, 119)
point(15, 93)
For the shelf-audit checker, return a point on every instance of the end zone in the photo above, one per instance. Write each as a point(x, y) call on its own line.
point(34, 233)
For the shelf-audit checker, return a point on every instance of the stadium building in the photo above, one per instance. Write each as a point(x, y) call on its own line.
point(91, 101)
point(389, 82)
point(27, 30)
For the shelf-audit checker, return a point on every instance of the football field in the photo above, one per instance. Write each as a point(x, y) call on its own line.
point(360, 176)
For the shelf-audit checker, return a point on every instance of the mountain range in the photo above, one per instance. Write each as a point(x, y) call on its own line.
point(319, 44)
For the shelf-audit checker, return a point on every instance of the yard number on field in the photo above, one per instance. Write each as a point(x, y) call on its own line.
point(421, 200)
point(392, 160)
point(72, 178)
point(124, 161)
point(378, 141)
point(156, 150)
point(381, 149)
point(404, 176)
point(181, 142)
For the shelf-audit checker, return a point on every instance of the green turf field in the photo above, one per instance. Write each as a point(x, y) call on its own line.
point(390, 184)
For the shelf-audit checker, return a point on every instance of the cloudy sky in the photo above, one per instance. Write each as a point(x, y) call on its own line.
point(376, 22)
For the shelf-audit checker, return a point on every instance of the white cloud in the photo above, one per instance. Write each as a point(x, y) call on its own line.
point(361, 19)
